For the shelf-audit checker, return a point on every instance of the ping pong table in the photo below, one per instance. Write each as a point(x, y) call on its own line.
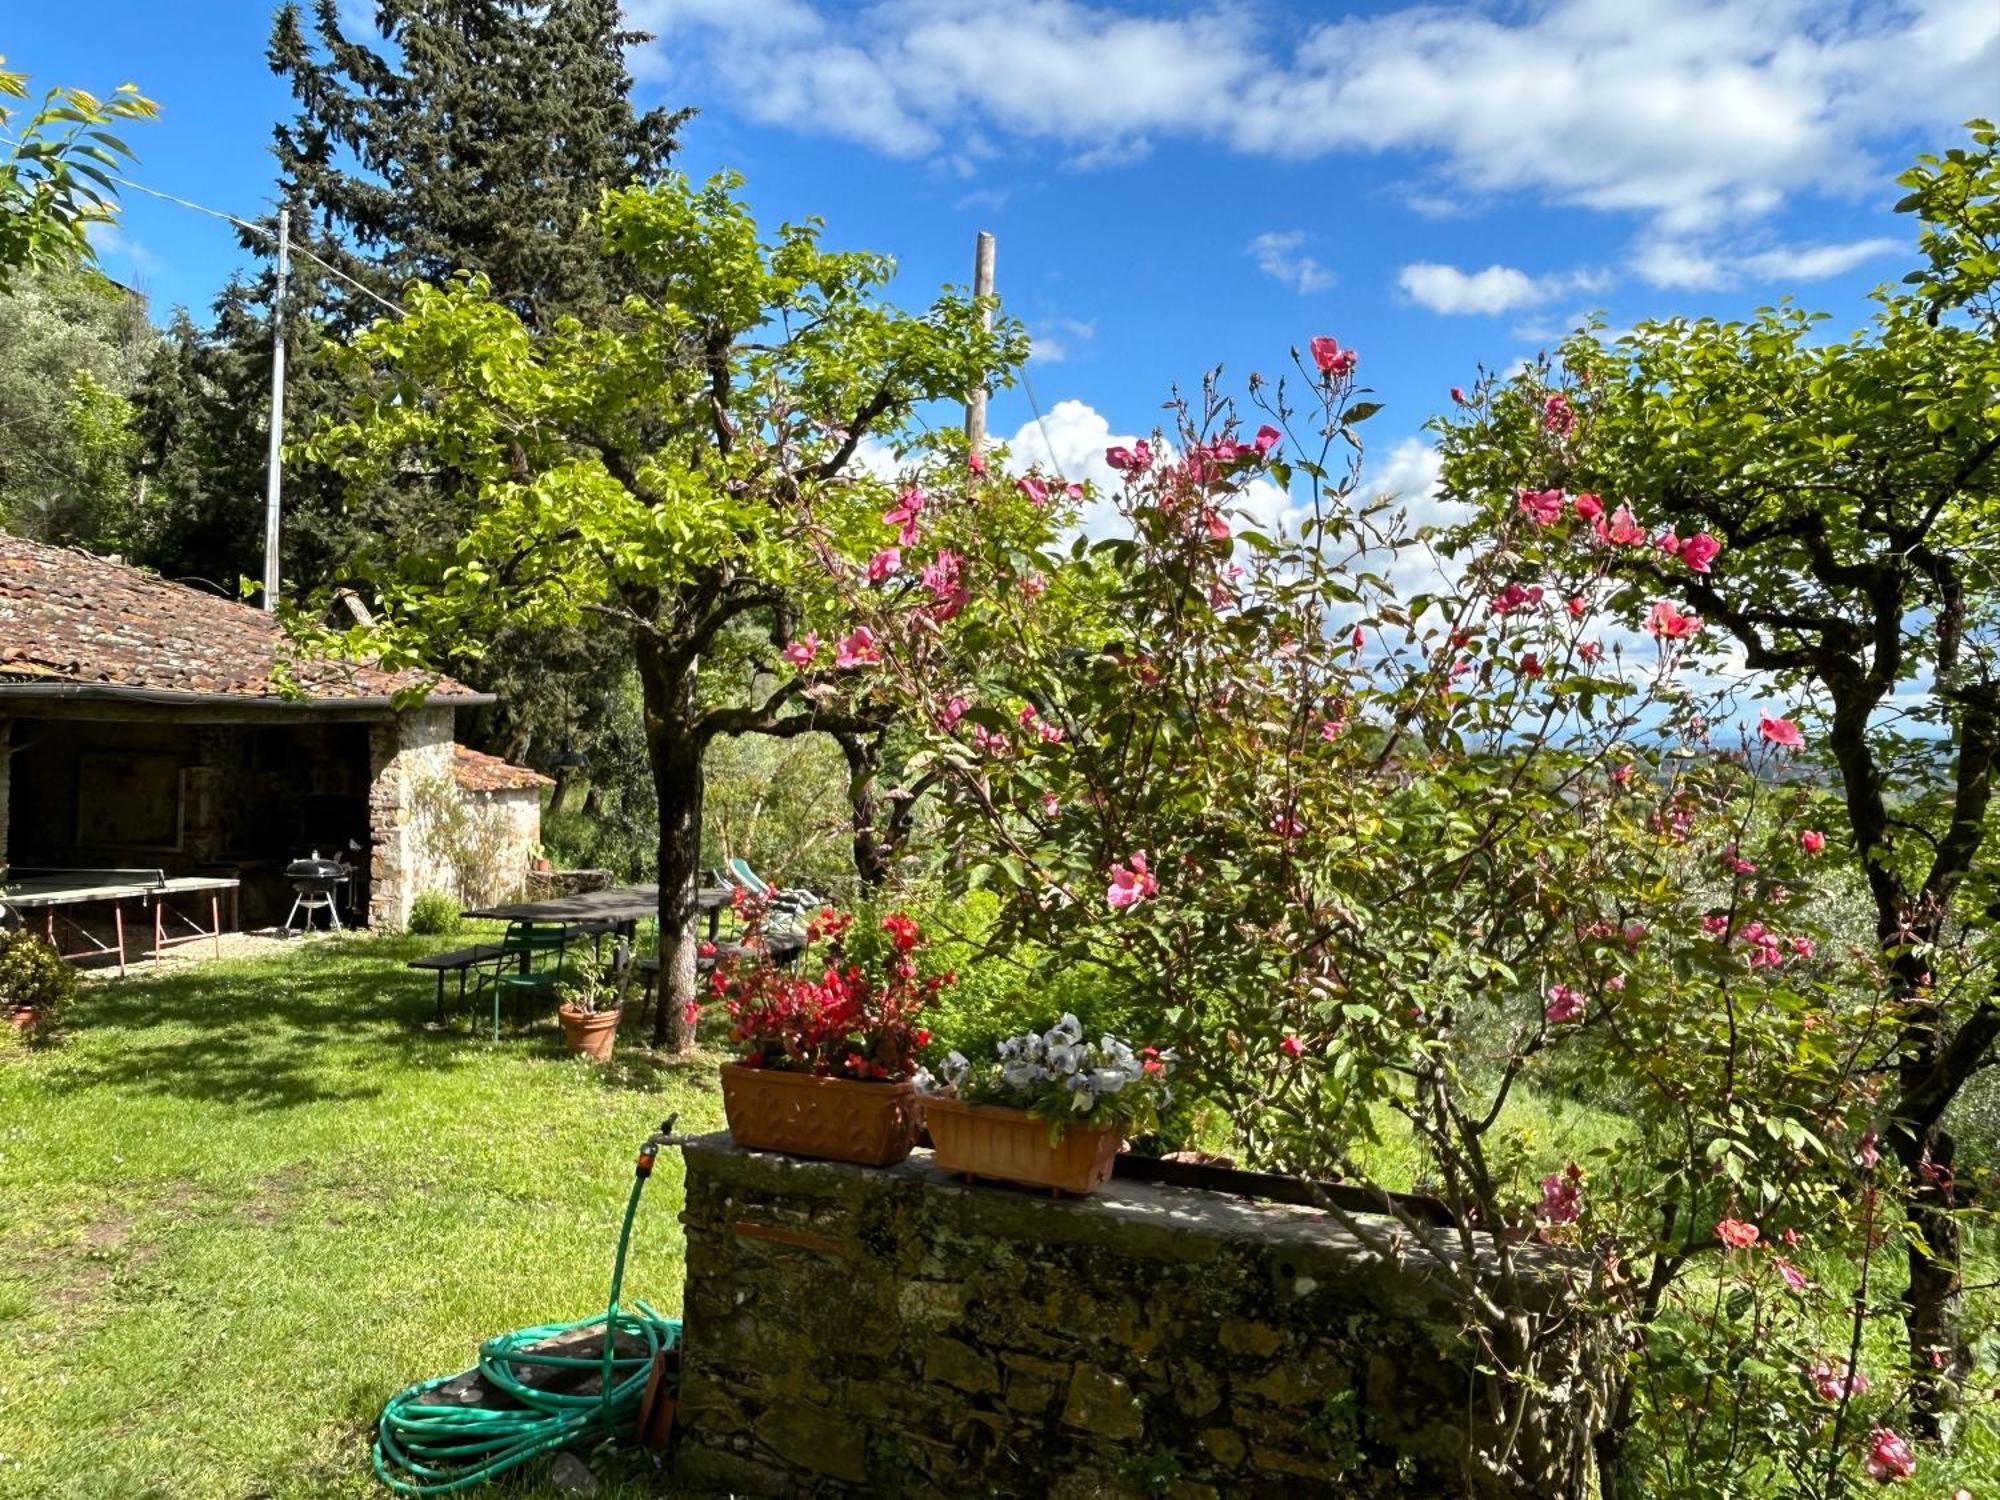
point(56, 901)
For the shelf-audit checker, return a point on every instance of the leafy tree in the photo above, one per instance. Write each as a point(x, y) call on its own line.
point(1852, 486)
point(55, 178)
point(681, 474)
point(463, 135)
point(72, 349)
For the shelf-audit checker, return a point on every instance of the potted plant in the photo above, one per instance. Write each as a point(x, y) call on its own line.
point(825, 1064)
point(590, 1011)
point(36, 986)
point(1051, 1110)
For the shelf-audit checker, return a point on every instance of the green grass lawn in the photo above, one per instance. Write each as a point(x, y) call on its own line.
point(242, 1203)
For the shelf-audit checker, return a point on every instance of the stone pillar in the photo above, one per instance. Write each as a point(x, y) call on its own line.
point(404, 754)
point(858, 1332)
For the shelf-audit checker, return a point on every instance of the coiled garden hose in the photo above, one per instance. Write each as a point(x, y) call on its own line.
point(443, 1449)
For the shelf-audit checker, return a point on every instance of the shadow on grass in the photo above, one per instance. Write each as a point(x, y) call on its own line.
point(274, 1033)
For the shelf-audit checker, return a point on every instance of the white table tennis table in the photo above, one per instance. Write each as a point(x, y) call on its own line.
point(55, 901)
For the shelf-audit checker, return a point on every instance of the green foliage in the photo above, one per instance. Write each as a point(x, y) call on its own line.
point(73, 348)
point(56, 173)
point(435, 914)
point(34, 974)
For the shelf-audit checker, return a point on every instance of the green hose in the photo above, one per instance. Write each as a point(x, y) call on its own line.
point(441, 1450)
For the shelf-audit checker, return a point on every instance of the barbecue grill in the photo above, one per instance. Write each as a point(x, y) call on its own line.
point(316, 883)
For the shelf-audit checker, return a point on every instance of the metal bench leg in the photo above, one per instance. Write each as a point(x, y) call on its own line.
point(461, 985)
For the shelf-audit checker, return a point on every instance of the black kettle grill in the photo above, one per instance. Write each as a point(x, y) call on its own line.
point(316, 883)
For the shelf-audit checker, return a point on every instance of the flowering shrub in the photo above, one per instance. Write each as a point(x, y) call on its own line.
point(1367, 856)
point(857, 1020)
point(1063, 1077)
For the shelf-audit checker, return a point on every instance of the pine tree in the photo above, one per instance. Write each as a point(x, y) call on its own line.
point(472, 135)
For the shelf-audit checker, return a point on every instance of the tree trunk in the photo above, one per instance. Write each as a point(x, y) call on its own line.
point(675, 756)
point(872, 856)
point(1940, 1358)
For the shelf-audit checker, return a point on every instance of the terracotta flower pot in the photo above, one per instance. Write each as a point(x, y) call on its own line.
point(1011, 1145)
point(24, 1017)
point(836, 1119)
point(590, 1032)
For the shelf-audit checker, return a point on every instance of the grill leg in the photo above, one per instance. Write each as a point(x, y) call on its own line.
point(118, 921)
point(292, 915)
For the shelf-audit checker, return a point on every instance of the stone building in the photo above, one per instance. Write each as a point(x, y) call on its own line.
point(147, 724)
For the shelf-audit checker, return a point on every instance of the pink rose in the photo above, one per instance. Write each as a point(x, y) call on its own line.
point(1565, 1004)
point(1669, 623)
point(857, 648)
point(884, 564)
point(1699, 550)
point(1330, 357)
point(1736, 1234)
point(800, 653)
point(1131, 882)
point(1889, 1457)
point(1781, 732)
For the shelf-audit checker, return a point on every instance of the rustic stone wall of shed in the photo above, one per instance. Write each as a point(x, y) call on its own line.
point(404, 755)
point(512, 834)
point(858, 1332)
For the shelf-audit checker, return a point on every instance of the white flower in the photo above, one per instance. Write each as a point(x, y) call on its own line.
point(1081, 1101)
point(1109, 1080)
point(956, 1068)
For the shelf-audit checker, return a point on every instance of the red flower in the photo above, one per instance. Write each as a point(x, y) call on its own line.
point(1588, 507)
point(1812, 841)
point(1291, 1046)
point(903, 932)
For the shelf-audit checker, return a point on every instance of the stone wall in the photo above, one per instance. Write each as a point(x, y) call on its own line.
point(857, 1332)
point(405, 755)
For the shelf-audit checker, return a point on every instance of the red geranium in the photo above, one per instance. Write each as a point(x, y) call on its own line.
point(855, 1020)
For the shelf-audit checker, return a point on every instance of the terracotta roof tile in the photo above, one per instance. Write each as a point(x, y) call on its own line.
point(68, 616)
point(479, 772)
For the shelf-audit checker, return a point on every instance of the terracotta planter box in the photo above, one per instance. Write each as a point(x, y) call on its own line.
point(589, 1032)
point(1011, 1145)
point(836, 1119)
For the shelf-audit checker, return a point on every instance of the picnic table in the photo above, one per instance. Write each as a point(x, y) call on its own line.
point(624, 906)
point(619, 909)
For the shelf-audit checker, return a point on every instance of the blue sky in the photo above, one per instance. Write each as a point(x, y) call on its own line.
point(1175, 187)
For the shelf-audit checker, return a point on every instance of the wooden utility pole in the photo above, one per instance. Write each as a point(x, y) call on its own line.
point(273, 472)
point(982, 289)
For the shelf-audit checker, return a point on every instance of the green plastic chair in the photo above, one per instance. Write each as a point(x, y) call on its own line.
point(514, 968)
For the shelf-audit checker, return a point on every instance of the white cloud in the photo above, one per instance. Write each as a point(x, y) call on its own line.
point(1070, 440)
point(1681, 264)
point(1694, 112)
point(1281, 254)
point(1056, 339)
point(1817, 262)
point(1497, 289)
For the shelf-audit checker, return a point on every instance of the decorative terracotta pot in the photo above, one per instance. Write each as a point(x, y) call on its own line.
point(590, 1032)
point(24, 1017)
point(1011, 1145)
point(837, 1119)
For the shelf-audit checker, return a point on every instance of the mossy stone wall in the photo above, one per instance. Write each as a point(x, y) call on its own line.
point(860, 1332)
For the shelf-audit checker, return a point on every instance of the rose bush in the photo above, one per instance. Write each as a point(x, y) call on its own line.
point(1370, 856)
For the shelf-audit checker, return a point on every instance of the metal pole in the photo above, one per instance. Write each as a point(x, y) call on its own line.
point(982, 289)
point(274, 471)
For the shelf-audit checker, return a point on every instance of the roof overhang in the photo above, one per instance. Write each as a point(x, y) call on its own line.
point(138, 697)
